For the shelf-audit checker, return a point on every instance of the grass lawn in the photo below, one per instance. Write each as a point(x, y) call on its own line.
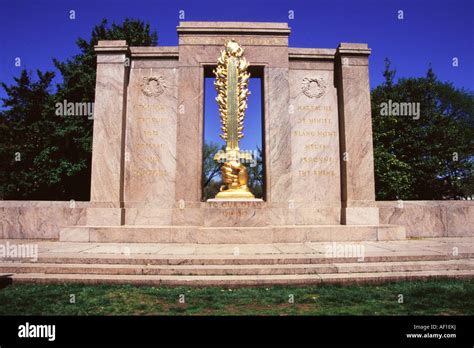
point(434, 297)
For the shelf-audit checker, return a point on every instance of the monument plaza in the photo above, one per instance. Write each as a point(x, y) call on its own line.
point(317, 220)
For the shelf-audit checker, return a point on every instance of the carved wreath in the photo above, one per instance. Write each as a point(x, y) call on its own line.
point(313, 87)
point(153, 86)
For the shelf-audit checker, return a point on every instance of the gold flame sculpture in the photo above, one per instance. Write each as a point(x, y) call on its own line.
point(232, 91)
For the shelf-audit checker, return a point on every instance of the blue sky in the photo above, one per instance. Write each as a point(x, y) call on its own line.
point(432, 31)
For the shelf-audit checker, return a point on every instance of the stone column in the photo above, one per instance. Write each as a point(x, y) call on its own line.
point(355, 128)
point(189, 132)
point(106, 207)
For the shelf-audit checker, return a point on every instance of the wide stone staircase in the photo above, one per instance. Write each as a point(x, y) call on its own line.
point(242, 265)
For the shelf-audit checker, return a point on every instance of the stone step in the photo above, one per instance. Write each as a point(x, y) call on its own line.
point(237, 280)
point(255, 269)
point(231, 235)
point(263, 259)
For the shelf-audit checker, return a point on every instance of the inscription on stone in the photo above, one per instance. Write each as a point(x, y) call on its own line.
point(315, 137)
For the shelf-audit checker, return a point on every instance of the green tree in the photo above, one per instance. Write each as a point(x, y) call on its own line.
point(211, 170)
point(426, 158)
point(78, 72)
point(25, 135)
point(56, 151)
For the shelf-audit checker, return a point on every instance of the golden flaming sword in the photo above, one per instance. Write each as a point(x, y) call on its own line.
point(232, 91)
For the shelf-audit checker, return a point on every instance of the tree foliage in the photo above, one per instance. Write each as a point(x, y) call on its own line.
point(210, 170)
point(28, 138)
point(45, 156)
point(426, 158)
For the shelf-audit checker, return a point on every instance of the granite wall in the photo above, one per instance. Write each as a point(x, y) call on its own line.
point(39, 219)
point(43, 220)
point(430, 218)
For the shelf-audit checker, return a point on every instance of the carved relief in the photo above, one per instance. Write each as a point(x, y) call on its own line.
point(313, 87)
point(153, 86)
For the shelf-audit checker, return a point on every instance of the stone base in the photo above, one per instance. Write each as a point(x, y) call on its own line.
point(234, 194)
point(231, 265)
point(226, 235)
point(105, 216)
point(45, 219)
point(230, 200)
point(360, 216)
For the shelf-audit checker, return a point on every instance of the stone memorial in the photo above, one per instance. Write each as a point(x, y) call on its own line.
point(148, 139)
point(317, 220)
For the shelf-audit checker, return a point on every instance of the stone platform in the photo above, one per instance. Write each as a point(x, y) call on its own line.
point(222, 235)
point(179, 264)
